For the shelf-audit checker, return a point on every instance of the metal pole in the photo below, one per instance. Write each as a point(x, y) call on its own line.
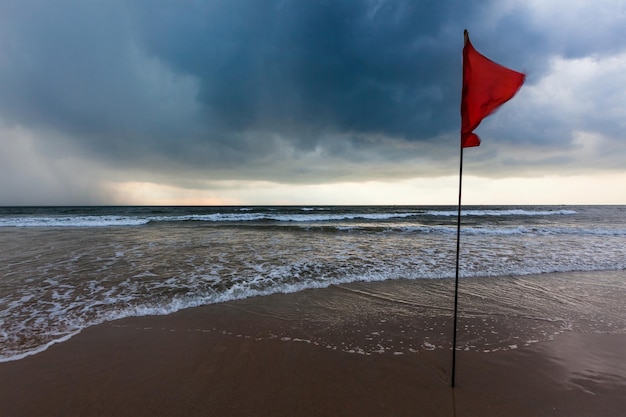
point(456, 275)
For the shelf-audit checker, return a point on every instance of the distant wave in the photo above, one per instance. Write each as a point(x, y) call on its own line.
point(284, 217)
point(508, 212)
point(104, 221)
point(306, 215)
point(494, 231)
point(73, 221)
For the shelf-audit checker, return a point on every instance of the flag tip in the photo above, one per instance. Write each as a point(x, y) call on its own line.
point(466, 35)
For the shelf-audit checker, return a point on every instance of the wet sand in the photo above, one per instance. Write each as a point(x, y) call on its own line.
point(376, 349)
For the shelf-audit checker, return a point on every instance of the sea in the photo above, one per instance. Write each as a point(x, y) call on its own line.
point(63, 269)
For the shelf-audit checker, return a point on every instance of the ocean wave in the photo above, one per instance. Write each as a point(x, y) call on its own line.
point(248, 215)
point(138, 308)
point(447, 230)
point(285, 217)
point(73, 221)
point(158, 260)
point(104, 221)
point(507, 212)
point(310, 222)
point(542, 231)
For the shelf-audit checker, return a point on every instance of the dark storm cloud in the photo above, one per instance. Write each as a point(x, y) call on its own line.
point(294, 67)
point(244, 88)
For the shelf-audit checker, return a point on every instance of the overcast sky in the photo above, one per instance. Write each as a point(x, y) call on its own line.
point(306, 102)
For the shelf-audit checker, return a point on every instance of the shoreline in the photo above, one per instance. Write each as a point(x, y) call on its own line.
point(355, 350)
point(496, 299)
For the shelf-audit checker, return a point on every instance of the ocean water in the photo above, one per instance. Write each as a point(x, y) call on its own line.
point(63, 269)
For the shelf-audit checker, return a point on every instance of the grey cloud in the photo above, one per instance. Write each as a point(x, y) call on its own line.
point(255, 89)
point(313, 66)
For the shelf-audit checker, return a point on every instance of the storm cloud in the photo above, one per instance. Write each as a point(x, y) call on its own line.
point(299, 91)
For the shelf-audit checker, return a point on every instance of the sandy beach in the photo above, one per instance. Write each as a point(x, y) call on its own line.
point(315, 353)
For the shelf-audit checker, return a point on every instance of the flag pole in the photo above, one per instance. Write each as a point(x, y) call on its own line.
point(458, 226)
point(486, 86)
point(456, 274)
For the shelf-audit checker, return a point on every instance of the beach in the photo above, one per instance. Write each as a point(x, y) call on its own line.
point(360, 349)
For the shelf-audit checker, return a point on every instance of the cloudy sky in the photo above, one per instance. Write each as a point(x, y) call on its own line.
point(306, 102)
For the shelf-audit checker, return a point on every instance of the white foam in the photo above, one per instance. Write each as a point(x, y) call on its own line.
point(309, 215)
point(201, 273)
point(38, 349)
point(244, 215)
point(299, 218)
point(507, 212)
point(73, 221)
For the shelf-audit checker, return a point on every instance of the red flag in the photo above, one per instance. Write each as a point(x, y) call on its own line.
point(486, 86)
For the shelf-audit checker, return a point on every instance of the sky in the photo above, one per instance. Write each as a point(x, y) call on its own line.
point(248, 102)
